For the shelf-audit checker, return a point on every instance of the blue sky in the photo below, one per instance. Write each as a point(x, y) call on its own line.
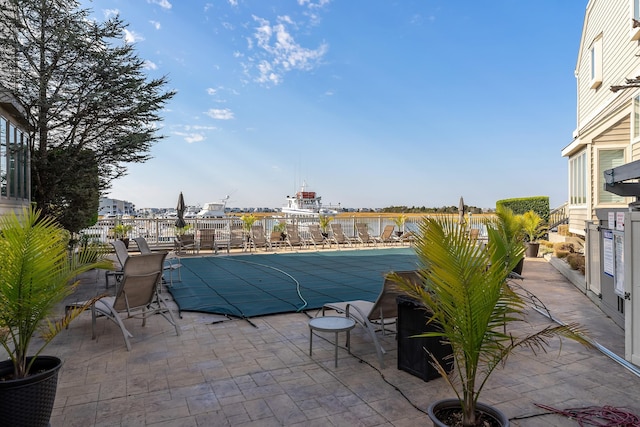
point(372, 103)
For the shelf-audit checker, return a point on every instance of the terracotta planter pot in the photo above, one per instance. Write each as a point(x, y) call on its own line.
point(498, 418)
point(29, 401)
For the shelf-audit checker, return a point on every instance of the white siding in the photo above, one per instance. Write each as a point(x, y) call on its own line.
point(612, 20)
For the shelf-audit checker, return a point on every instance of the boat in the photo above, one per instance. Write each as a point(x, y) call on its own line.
point(305, 203)
point(192, 212)
point(213, 209)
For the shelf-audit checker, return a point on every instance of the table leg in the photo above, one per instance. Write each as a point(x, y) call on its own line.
point(336, 355)
point(310, 341)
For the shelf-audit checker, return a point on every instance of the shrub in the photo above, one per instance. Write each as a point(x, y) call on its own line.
point(576, 262)
point(563, 246)
point(546, 244)
point(563, 230)
point(561, 254)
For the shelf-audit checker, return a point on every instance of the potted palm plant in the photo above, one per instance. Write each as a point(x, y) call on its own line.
point(399, 222)
point(122, 231)
point(534, 229)
point(324, 221)
point(510, 229)
point(247, 223)
point(36, 274)
point(465, 291)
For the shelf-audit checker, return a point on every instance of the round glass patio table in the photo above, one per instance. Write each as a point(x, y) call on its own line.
point(334, 324)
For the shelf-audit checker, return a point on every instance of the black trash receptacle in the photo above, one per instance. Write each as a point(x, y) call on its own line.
point(412, 357)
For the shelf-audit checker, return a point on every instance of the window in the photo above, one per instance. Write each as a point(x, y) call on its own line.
point(608, 159)
point(595, 53)
point(14, 161)
point(578, 179)
point(3, 155)
point(635, 15)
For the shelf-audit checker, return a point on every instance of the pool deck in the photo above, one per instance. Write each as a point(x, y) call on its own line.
point(236, 373)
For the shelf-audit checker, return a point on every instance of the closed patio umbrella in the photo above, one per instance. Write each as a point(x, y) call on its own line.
point(461, 212)
point(180, 208)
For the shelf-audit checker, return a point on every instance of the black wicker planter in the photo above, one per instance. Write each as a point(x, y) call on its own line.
point(532, 250)
point(29, 401)
point(496, 417)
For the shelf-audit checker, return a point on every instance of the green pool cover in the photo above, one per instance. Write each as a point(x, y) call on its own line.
point(257, 285)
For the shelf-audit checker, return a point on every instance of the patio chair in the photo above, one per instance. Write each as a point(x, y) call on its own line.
point(388, 235)
point(258, 239)
point(237, 238)
point(136, 295)
point(122, 253)
point(171, 262)
point(207, 239)
point(363, 234)
point(316, 237)
point(275, 239)
point(184, 243)
point(293, 237)
point(338, 236)
point(375, 316)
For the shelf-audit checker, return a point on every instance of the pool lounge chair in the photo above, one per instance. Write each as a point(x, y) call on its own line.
point(258, 239)
point(388, 236)
point(375, 316)
point(293, 237)
point(363, 234)
point(185, 243)
point(136, 295)
point(207, 239)
point(237, 239)
point(338, 236)
point(316, 237)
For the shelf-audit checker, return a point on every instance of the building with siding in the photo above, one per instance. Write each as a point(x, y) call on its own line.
point(606, 137)
point(15, 172)
point(110, 208)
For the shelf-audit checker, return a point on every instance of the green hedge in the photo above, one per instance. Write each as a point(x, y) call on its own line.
point(539, 204)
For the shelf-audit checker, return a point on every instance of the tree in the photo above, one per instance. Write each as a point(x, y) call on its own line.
point(75, 199)
point(85, 90)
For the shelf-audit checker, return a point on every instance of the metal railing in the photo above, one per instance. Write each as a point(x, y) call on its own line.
point(160, 233)
point(558, 216)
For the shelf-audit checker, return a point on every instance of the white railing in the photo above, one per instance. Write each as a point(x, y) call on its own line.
point(161, 232)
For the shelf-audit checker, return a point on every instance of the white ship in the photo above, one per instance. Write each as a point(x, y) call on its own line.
point(305, 203)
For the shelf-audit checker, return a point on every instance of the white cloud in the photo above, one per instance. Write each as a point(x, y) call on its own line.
point(162, 3)
point(149, 65)
point(220, 114)
point(108, 13)
point(155, 24)
point(233, 3)
point(314, 5)
point(191, 137)
point(131, 36)
point(200, 127)
point(211, 91)
point(194, 137)
point(279, 52)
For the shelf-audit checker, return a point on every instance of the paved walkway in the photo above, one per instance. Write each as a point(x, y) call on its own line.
point(232, 373)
